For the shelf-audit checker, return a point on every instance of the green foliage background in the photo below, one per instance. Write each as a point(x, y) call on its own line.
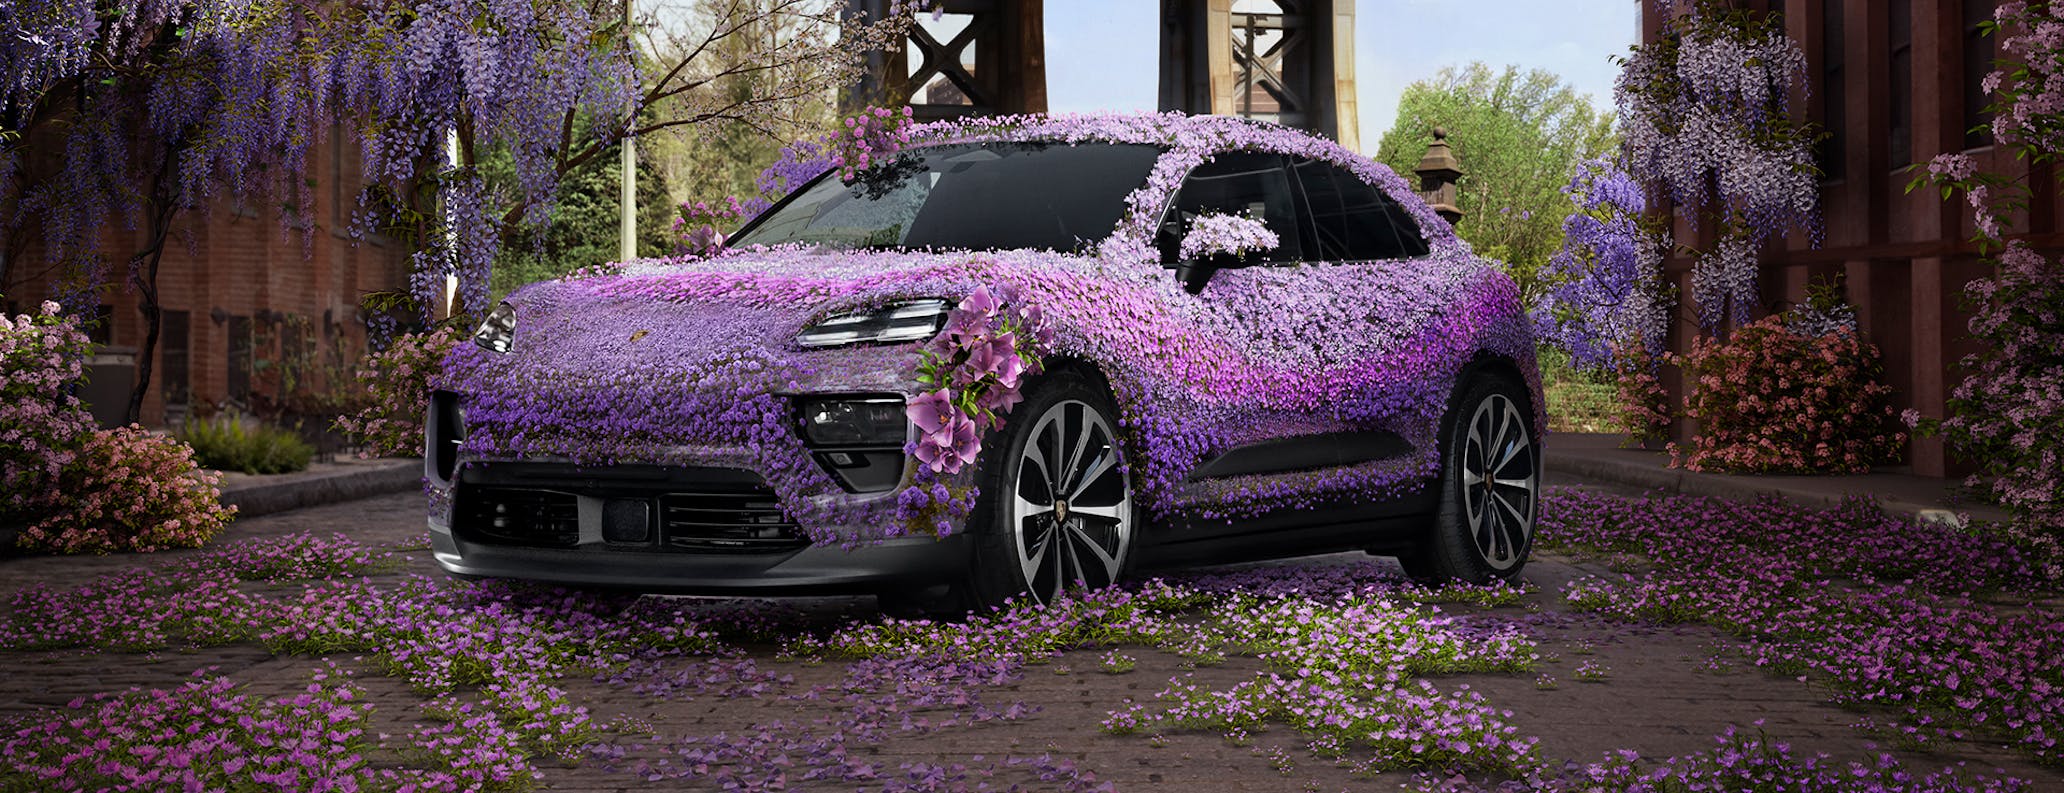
point(1519, 136)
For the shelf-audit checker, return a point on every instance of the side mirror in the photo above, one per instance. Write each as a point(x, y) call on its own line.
point(1193, 274)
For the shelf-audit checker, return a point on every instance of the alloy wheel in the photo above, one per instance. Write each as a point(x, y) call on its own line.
point(1071, 508)
point(1500, 482)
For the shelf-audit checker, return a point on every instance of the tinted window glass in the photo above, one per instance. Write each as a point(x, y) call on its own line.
point(980, 197)
point(1354, 221)
point(1252, 184)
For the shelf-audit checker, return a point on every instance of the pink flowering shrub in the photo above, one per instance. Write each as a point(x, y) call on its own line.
point(129, 490)
point(870, 138)
point(398, 381)
point(700, 228)
point(1230, 235)
point(42, 422)
point(2007, 415)
point(1644, 403)
point(1772, 400)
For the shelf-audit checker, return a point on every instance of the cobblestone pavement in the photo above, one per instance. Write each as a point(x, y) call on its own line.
point(1664, 691)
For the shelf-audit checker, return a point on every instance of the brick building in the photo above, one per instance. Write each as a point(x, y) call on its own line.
point(1896, 82)
point(247, 305)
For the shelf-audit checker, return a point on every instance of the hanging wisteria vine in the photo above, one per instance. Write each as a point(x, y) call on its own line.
point(1705, 118)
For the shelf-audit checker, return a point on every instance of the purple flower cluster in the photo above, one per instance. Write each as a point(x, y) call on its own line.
point(203, 735)
point(1705, 114)
point(1609, 291)
point(1213, 234)
point(1882, 609)
point(975, 367)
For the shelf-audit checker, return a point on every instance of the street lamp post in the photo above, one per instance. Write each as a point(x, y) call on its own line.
point(627, 246)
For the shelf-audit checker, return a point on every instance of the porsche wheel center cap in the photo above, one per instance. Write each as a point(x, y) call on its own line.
point(1061, 511)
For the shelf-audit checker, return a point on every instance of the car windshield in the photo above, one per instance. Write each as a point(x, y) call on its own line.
point(993, 196)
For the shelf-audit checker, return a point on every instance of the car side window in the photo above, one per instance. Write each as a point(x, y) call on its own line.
point(1352, 220)
point(1252, 184)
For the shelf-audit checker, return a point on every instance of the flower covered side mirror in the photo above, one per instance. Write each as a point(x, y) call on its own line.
point(1233, 235)
point(1216, 241)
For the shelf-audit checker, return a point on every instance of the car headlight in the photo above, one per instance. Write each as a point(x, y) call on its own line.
point(498, 332)
point(913, 320)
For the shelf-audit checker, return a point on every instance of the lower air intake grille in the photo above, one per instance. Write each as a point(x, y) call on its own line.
point(743, 521)
point(519, 516)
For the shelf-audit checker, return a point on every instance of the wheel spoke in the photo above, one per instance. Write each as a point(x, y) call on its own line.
point(1115, 512)
point(1096, 548)
point(1050, 443)
point(1083, 434)
point(1104, 464)
point(1033, 554)
point(1046, 488)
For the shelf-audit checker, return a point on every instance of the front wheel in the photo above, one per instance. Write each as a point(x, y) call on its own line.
point(1490, 489)
point(1056, 509)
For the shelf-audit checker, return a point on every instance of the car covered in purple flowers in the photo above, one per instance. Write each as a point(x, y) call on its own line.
point(1017, 356)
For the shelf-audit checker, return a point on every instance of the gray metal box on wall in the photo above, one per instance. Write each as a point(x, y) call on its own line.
point(110, 376)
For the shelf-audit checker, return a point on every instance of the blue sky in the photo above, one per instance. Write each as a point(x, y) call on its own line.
point(1102, 54)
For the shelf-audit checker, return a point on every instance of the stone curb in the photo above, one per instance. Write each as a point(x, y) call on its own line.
point(1830, 491)
point(328, 483)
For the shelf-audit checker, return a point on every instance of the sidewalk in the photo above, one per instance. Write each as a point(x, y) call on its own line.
point(1599, 457)
point(347, 479)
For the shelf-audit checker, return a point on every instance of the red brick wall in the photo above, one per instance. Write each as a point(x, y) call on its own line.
point(237, 261)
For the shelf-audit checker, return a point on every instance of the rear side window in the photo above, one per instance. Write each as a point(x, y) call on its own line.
point(1253, 184)
point(1354, 221)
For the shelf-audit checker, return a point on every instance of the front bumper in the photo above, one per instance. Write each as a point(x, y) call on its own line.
point(914, 562)
point(661, 529)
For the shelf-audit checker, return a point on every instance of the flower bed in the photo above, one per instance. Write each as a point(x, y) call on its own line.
point(1346, 651)
point(1891, 615)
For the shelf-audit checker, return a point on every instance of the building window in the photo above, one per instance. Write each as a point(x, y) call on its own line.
point(1977, 64)
point(1899, 46)
point(240, 351)
point(1834, 94)
point(175, 339)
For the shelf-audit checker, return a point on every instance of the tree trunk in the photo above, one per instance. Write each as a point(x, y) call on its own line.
point(143, 272)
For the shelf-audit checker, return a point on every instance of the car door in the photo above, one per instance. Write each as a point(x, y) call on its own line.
point(1275, 417)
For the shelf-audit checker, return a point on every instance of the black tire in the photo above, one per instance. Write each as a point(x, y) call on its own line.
point(1489, 490)
point(1020, 549)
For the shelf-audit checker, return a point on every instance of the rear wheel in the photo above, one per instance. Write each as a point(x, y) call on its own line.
point(1489, 490)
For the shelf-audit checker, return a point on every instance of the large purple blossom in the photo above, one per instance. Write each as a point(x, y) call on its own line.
point(1609, 292)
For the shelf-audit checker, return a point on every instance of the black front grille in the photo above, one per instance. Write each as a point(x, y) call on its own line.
point(519, 516)
point(741, 521)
